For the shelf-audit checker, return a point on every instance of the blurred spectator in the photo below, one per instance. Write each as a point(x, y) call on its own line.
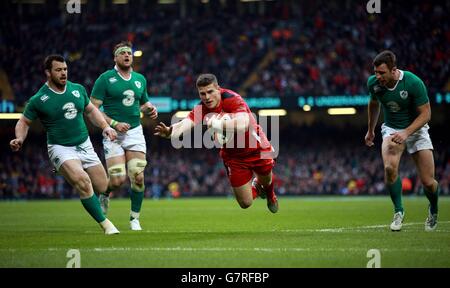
point(309, 166)
point(320, 47)
point(407, 185)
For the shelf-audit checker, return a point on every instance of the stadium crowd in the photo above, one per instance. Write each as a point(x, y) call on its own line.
point(337, 164)
point(322, 48)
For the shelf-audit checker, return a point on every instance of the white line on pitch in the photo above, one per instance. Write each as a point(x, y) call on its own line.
point(330, 230)
point(230, 249)
point(342, 229)
point(240, 249)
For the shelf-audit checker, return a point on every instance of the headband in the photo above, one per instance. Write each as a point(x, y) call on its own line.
point(122, 49)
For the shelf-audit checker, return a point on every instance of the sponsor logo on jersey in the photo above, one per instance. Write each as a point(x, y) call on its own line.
point(76, 93)
point(129, 98)
point(44, 98)
point(112, 80)
point(377, 89)
point(138, 84)
point(403, 94)
point(393, 106)
point(71, 110)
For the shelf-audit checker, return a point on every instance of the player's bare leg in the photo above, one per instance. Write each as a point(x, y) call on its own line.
point(117, 176)
point(243, 195)
point(116, 171)
point(98, 178)
point(425, 167)
point(73, 172)
point(392, 153)
point(262, 185)
point(135, 168)
point(265, 187)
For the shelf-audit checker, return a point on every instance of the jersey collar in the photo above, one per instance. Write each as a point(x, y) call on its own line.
point(56, 92)
point(120, 75)
point(400, 78)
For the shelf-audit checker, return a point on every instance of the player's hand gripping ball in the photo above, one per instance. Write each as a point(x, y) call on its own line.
point(222, 137)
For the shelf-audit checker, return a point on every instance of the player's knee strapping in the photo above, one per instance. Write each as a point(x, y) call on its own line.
point(117, 170)
point(136, 167)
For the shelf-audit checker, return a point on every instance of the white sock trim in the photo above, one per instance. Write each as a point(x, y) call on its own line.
point(105, 223)
point(135, 215)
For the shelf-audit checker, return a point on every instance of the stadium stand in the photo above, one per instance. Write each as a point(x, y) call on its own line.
point(286, 49)
point(282, 49)
point(312, 165)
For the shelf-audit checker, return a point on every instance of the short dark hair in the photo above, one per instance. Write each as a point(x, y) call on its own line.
point(206, 79)
point(49, 60)
point(122, 44)
point(387, 57)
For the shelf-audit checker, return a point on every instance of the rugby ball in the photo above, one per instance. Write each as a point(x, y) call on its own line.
point(223, 137)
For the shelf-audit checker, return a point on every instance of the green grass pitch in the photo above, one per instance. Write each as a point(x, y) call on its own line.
point(215, 232)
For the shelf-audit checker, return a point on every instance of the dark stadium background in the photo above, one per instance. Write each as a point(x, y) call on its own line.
point(277, 54)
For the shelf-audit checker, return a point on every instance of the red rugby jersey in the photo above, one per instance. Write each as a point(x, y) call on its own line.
point(253, 141)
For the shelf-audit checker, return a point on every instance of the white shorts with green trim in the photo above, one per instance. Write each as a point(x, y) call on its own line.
point(419, 140)
point(132, 140)
point(84, 152)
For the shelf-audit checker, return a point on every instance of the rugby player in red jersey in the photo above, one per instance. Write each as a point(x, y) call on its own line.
point(248, 152)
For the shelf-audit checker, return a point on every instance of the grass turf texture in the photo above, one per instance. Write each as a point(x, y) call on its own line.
point(215, 232)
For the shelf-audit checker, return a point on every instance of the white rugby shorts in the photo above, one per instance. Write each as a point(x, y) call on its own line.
point(84, 152)
point(132, 140)
point(419, 140)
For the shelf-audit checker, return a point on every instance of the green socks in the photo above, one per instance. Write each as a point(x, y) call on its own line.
point(92, 206)
point(433, 198)
point(395, 190)
point(136, 202)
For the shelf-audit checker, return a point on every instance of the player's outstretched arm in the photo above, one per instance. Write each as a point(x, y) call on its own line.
point(149, 110)
point(163, 131)
point(95, 117)
point(239, 122)
point(21, 132)
point(175, 130)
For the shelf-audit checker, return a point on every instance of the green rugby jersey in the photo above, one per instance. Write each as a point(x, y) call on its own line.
point(60, 113)
point(121, 98)
point(399, 103)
